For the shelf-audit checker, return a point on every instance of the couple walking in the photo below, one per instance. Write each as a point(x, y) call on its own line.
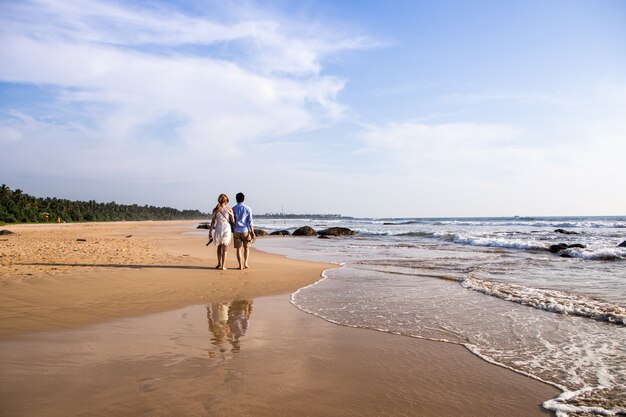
point(240, 219)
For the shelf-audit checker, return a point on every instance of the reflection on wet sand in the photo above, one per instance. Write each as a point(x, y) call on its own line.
point(228, 322)
point(292, 364)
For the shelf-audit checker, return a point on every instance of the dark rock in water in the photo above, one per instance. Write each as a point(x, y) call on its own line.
point(337, 231)
point(557, 248)
point(577, 245)
point(305, 231)
point(562, 246)
point(260, 232)
point(389, 224)
point(204, 226)
point(6, 232)
point(622, 245)
point(323, 237)
point(280, 233)
point(565, 232)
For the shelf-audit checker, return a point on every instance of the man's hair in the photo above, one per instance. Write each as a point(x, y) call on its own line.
point(240, 197)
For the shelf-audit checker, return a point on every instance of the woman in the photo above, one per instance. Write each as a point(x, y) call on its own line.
point(221, 220)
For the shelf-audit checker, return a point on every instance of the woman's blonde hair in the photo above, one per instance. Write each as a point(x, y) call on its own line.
point(221, 200)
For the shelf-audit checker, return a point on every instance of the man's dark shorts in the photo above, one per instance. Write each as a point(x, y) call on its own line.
point(242, 240)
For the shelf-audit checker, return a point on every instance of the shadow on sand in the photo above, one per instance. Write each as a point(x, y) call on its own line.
point(121, 266)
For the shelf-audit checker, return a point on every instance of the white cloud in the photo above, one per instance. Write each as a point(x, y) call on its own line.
point(156, 106)
point(269, 43)
point(494, 169)
point(140, 98)
point(89, 47)
point(408, 136)
point(421, 148)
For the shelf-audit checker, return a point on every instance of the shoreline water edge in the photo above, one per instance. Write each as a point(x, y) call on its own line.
point(558, 317)
point(76, 340)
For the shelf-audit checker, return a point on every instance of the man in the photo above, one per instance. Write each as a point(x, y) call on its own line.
point(244, 232)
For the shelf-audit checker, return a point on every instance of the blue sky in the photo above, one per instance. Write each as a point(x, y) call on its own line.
point(365, 108)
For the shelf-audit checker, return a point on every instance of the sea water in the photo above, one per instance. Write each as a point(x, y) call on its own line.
point(490, 284)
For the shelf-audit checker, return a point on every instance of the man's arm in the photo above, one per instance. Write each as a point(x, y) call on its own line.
point(250, 226)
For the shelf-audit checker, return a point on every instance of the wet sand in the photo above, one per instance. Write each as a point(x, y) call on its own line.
point(260, 357)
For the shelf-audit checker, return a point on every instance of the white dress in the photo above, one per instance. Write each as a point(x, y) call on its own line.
point(222, 234)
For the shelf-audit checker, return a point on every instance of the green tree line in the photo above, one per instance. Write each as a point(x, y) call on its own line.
point(18, 207)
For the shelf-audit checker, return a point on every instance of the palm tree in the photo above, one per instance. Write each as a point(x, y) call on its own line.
point(5, 190)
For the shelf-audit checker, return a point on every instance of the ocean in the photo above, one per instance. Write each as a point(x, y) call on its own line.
point(489, 284)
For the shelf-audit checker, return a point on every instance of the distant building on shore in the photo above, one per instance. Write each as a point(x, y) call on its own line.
point(299, 216)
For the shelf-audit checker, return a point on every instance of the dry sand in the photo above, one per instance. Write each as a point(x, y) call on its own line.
point(288, 363)
point(57, 276)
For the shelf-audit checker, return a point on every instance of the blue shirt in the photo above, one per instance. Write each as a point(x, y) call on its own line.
point(243, 218)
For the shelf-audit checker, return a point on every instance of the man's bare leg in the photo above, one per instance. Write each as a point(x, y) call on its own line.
point(241, 265)
point(246, 254)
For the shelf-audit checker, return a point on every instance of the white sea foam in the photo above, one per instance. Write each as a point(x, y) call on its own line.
point(600, 254)
point(569, 404)
point(550, 300)
point(538, 223)
point(492, 241)
point(579, 354)
point(564, 405)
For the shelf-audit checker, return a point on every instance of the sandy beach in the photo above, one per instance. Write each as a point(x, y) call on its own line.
point(123, 319)
point(58, 276)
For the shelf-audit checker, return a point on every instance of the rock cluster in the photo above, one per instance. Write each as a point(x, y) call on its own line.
point(305, 231)
point(337, 231)
point(562, 246)
point(324, 234)
point(280, 233)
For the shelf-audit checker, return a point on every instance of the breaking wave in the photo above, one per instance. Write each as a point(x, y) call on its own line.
point(601, 254)
point(550, 300)
point(493, 241)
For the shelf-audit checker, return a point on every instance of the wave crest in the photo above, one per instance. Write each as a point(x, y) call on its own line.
point(601, 254)
point(491, 241)
point(550, 300)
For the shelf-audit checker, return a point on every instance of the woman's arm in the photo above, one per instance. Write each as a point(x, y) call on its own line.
point(212, 224)
point(231, 216)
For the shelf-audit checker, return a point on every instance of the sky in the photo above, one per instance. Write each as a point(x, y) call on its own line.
point(362, 108)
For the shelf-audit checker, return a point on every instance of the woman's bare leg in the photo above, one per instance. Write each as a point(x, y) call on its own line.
point(224, 253)
point(219, 257)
